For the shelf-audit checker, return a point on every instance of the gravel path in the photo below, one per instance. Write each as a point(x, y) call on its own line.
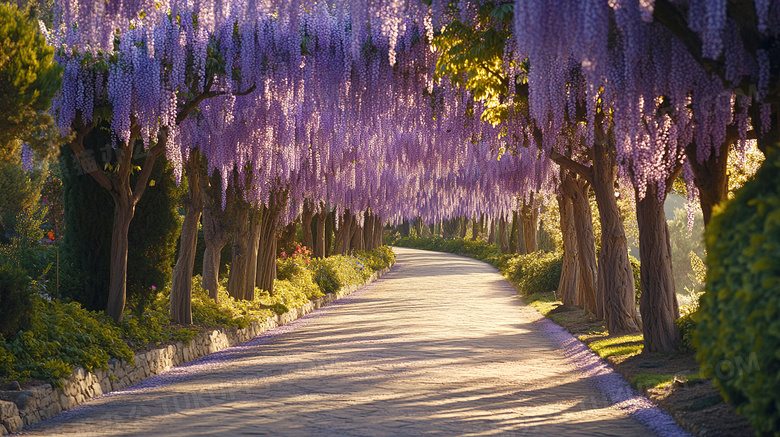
point(441, 345)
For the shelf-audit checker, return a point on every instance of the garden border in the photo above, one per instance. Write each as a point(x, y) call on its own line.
point(21, 408)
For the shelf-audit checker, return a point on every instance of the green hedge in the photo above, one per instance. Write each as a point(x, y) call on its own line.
point(537, 272)
point(738, 332)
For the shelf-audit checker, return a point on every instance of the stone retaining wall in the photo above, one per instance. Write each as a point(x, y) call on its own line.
point(24, 407)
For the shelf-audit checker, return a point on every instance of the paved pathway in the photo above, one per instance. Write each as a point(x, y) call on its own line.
point(440, 346)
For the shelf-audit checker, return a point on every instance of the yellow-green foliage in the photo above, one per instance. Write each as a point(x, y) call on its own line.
point(153, 326)
point(738, 333)
point(376, 259)
point(295, 274)
point(61, 336)
point(229, 311)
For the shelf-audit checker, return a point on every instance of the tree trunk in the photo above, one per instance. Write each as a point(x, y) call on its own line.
point(215, 231)
point(368, 232)
point(265, 272)
point(503, 237)
point(329, 225)
point(570, 271)
point(306, 217)
point(513, 233)
point(464, 223)
point(356, 240)
point(239, 265)
point(658, 303)
point(255, 237)
point(577, 191)
point(181, 283)
point(432, 229)
point(378, 232)
point(491, 231)
point(319, 245)
point(474, 230)
point(530, 213)
point(615, 290)
point(418, 226)
point(520, 233)
point(710, 177)
point(124, 209)
point(344, 233)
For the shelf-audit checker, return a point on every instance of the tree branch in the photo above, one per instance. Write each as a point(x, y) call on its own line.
point(146, 171)
point(193, 104)
point(86, 161)
point(572, 165)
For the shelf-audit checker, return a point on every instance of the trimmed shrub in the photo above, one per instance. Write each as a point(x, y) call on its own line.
point(738, 333)
point(14, 299)
point(296, 272)
point(537, 272)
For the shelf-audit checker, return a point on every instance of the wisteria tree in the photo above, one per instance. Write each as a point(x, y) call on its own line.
point(478, 54)
point(144, 80)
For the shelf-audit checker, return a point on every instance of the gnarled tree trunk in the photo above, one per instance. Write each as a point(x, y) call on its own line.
point(418, 226)
point(502, 234)
point(491, 231)
point(329, 225)
point(615, 291)
point(344, 235)
point(356, 240)
point(319, 244)
point(368, 232)
point(265, 265)
point(711, 177)
point(306, 217)
point(658, 303)
point(242, 244)
point(520, 249)
point(378, 232)
point(464, 223)
point(577, 191)
point(570, 271)
point(530, 214)
point(216, 231)
point(475, 229)
point(255, 229)
point(181, 284)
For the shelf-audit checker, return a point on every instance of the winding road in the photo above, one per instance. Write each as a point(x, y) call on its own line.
point(441, 345)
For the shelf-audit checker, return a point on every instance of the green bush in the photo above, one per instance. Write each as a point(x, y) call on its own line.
point(151, 325)
point(14, 299)
point(686, 324)
point(537, 272)
point(738, 334)
point(296, 272)
point(635, 265)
